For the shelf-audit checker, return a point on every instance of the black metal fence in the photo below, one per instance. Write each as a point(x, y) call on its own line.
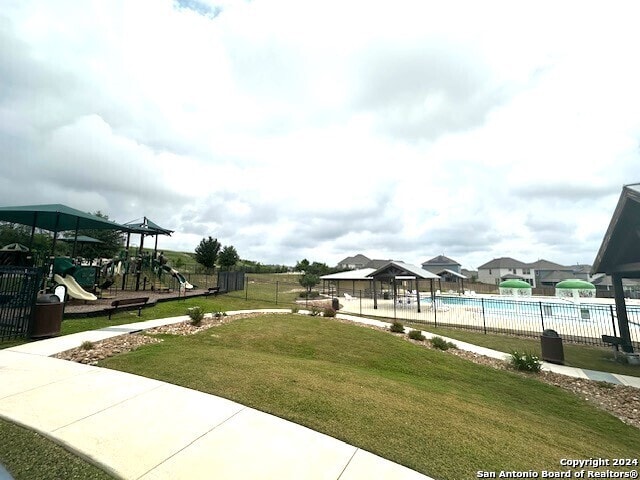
point(279, 289)
point(18, 291)
point(231, 281)
point(576, 322)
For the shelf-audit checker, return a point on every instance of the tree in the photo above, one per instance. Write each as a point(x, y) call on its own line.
point(228, 257)
point(308, 281)
point(302, 265)
point(207, 252)
point(112, 241)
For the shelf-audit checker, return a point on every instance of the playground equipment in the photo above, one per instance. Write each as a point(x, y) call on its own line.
point(184, 284)
point(64, 272)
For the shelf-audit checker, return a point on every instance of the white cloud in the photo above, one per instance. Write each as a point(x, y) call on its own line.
point(293, 129)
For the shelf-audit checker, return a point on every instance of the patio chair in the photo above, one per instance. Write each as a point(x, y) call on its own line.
point(347, 297)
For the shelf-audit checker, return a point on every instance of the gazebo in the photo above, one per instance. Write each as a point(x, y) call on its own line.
point(144, 228)
point(397, 272)
point(619, 256)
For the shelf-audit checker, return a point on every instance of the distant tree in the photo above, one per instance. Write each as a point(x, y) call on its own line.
point(302, 265)
point(308, 281)
point(228, 257)
point(112, 241)
point(207, 252)
point(318, 268)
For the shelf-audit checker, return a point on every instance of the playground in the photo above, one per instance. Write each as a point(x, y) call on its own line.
point(68, 271)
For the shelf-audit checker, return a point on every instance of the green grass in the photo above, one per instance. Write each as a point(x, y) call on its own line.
point(428, 410)
point(28, 455)
point(580, 356)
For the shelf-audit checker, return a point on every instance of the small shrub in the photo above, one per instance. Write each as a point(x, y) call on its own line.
point(397, 327)
point(328, 312)
point(416, 335)
point(219, 314)
point(441, 344)
point(295, 309)
point(196, 314)
point(312, 294)
point(87, 345)
point(314, 312)
point(525, 361)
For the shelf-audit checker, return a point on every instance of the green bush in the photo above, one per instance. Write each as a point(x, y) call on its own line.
point(295, 309)
point(219, 314)
point(416, 335)
point(196, 314)
point(312, 294)
point(397, 327)
point(525, 361)
point(441, 344)
point(328, 312)
point(314, 311)
point(87, 345)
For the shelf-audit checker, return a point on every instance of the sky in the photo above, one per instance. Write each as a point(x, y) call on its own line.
point(293, 129)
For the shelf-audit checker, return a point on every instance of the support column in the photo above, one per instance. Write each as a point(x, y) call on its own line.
point(621, 311)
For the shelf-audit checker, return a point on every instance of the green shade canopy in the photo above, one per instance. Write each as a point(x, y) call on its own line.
point(576, 284)
point(14, 247)
point(81, 239)
point(56, 218)
point(147, 227)
point(514, 284)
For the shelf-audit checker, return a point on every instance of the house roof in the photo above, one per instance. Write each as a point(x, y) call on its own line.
point(450, 272)
point(395, 268)
point(360, 274)
point(619, 252)
point(513, 276)
point(557, 276)
point(440, 260)
point(543, 264)
point(375, 264)
point(355, 260)
point(503, 262)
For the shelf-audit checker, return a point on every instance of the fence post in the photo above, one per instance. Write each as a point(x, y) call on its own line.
point(541, 315)
point(246, 288)
point(361, 302)
point(277, 292)
point(435, 310)
point(613, 322)
point(484, 319)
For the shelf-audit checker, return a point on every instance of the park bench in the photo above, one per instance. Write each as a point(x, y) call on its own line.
point(213, 290)
point(129, 303)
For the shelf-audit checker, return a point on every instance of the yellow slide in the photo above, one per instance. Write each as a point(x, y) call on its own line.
point(73, 289)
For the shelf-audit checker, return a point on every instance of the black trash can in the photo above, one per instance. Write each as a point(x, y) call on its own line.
point(335, 304)
point(551, 346)
point(47, 320)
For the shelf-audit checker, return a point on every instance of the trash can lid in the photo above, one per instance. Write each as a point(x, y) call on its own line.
point(550, 333)
point(47, 298)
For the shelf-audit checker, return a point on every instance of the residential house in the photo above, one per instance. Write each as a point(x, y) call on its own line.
point(504, 268)
point(548, 274)
point(353, 263)
point(440, 263)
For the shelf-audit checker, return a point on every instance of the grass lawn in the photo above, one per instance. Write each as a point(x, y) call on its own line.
point(581, 356)
point(28, 455)
point(434, 412)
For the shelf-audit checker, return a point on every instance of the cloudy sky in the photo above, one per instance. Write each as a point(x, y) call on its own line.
point(295, 129)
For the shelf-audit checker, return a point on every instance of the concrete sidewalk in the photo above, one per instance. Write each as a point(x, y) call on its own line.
point(139, 428)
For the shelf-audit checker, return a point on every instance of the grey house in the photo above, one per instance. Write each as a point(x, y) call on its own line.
point(353, 263)
point(441, 263)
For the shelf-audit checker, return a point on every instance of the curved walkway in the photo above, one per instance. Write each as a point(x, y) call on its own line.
point(139, 428)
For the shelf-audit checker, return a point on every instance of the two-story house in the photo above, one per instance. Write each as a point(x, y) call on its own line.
point(504, 268)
